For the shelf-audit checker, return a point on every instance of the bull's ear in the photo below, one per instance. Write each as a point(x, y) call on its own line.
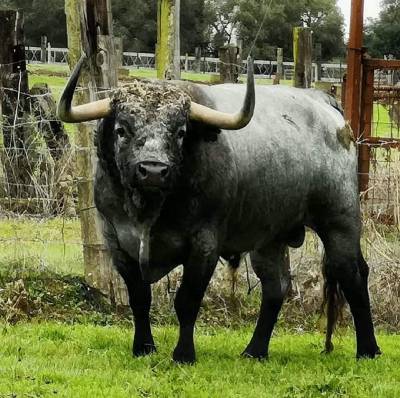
point(202, 131)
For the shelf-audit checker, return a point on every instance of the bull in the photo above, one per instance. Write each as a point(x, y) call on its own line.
point(185, 178)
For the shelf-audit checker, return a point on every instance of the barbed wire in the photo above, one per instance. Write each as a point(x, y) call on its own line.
point(14, 63)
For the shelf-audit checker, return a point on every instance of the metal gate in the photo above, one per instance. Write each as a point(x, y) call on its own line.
point(372, 106)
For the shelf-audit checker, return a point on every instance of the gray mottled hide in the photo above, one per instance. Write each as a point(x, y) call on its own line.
point(287, 169)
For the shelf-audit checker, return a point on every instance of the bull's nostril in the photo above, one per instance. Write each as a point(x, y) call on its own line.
point(142, 171)
point(164, 172)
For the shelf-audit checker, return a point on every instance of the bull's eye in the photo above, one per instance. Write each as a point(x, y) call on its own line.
point(181, 134)
point(120, 131)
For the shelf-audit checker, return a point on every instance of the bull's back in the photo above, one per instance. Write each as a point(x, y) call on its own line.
point(293, 160)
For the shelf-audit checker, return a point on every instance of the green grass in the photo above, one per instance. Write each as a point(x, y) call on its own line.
point(43, 360)
point(55, 68)
point(382, 125)
point(53, 244)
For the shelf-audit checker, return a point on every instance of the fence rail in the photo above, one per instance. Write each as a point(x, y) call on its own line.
point(332, 72)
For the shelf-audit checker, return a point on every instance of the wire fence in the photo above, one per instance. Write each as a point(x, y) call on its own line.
point(382, 199)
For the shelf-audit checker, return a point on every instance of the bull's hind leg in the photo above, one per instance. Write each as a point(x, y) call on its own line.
point(271, 265)
point(346, 265)
point(140, 301)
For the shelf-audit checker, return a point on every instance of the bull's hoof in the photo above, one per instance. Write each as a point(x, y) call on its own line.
point(370, 353)
point(328, 348)
point(184, 357)
point(140, 350)
point(256, 352)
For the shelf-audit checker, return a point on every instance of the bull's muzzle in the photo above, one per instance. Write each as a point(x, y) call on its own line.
point(153, 174)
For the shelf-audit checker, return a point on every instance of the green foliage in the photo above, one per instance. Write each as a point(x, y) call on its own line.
point(382, 35)
point(42, 18)
point(222, 20)
point(204, 23)
point(48, 359)
point(323, 16)
point(136, 22)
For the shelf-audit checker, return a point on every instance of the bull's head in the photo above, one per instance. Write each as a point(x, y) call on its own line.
point(149, 125)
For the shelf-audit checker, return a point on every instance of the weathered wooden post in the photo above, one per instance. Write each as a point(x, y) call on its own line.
point(168, 39)
point(197, 63)
point(49, 60)
point(43, 49)
point(318, 60)
point(99, 271)
point(186, 62)
point(279, 66)
point(302, 52)
point(228, 56)
point(240, 55)
point(119, 52)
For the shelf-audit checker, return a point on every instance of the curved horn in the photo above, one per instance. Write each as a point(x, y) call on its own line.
point(228, 121)
point(81, 113)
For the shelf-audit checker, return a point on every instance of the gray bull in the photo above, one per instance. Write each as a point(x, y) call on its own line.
point(175, 185)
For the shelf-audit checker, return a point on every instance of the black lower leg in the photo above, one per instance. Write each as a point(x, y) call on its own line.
point(352, 275)
point(140, 302)
point(187, 305)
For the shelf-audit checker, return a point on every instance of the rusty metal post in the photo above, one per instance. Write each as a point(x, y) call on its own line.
point(354, 66)
point(367, 106)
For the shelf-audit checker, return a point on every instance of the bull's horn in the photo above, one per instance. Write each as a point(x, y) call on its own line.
point(81, 113)
point(228, 121)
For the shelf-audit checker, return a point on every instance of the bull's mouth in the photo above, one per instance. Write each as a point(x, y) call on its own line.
point(149, 188)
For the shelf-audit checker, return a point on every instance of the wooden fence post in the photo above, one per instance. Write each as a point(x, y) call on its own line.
point(228, 56)
point(186, 62)
point(49, 53)
point(318, 60)
point(119, 52)
point(43, 49)
point(302, 52)
point(279, 66)
point(168, 40)
point(197, 63)
point(99, 271)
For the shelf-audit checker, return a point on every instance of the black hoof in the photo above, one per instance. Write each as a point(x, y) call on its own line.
point(328, 348)
point(255, 353)
point(369, 354)
point(140, 350)
point(184, 357)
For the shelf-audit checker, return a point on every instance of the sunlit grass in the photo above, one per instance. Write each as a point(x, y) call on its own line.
point(52, 244)
point(88, 361)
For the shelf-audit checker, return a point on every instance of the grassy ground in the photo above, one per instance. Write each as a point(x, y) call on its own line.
point(53, 244)
point(86, 361)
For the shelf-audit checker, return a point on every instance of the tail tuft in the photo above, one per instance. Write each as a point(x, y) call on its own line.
point(332, 306)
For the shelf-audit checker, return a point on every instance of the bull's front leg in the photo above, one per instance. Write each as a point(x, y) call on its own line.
point(140, 302)
point(196, 276)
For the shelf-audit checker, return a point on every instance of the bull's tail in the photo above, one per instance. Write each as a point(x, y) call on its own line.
point(332, 305)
